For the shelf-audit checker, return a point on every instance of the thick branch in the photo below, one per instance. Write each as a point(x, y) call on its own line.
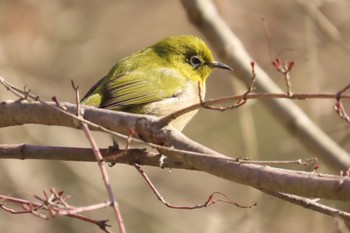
point(23, 112)
point(130, 156)
point(174, 145)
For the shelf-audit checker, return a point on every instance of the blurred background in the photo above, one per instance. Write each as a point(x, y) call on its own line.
point(46, 44)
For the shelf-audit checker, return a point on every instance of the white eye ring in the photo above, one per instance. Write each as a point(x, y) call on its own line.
point(195, 61)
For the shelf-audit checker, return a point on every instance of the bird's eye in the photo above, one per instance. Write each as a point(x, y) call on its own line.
point(195, 61)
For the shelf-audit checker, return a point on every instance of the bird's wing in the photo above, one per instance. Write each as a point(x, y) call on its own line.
point(137, 88)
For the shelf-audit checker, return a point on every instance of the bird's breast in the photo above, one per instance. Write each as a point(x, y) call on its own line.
point(182, 98)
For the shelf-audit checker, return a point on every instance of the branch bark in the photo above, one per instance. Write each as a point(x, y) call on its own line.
point(130, 156)
point(179, 148)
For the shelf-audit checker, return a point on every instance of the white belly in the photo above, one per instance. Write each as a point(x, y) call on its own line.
point(187, 97)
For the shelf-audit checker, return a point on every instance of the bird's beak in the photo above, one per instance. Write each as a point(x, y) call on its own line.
point(220, 65)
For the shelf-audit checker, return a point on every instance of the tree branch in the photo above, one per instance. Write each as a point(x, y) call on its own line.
point(130, 156)
point(181, 149)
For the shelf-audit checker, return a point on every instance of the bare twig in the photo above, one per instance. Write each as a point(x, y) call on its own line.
point(251, 87)
point(339, 107)
point(101, 164)
point(246, 96)
point(105, 177)
point(312, 204)
point(285, 69)
point(304, 162)
point(52, 205)
point(210, 201)
point(268, 37)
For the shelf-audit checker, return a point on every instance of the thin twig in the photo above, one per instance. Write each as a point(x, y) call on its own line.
point(261, 96)
point(210, 201)
point(268, 36)
point(312, 204)
point(55, 205)
point(304, 162)
point(339, 107)
point(285, 69)
point(101, 164)
point(251, 87)
point(105, 177)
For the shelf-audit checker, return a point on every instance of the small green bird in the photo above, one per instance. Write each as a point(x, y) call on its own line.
point(157, 80)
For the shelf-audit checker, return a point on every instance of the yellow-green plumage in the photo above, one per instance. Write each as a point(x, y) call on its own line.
point(157, 80)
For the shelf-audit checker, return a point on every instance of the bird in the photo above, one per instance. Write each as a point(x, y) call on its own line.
point(158, 80)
